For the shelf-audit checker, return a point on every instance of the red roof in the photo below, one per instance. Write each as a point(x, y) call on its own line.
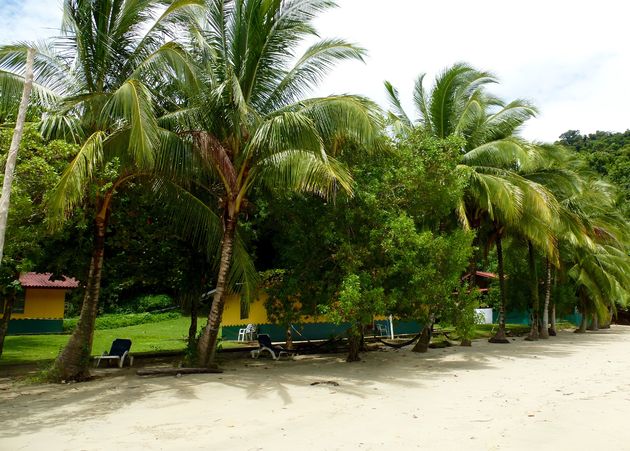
point(42, 280)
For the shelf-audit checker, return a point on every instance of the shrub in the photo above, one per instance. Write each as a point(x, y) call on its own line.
point(153, 302)
point(119, 320)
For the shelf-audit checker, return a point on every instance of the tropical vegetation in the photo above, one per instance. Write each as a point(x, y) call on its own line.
point(173, 148)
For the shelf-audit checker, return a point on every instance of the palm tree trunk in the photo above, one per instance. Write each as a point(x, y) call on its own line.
point(533, 276)
point(208, 340)
point(500, 336)
point(552, 319)
point(584, 322)
point(6, 318)
point(594, 322)
point(606, 324)
point(74, 360)
point(544, 331)
point(9, 168)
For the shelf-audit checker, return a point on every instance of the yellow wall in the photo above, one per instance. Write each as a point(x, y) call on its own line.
point(42, 303)
point(257, 312)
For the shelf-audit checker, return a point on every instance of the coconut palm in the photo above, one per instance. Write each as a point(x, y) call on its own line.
point(597, 261)
point(92, 86)
point(492, 155)
point(252, 124)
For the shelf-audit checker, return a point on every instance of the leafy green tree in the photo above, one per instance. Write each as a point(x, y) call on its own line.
point(608, 154)
point(39, 166)
point(388, 249)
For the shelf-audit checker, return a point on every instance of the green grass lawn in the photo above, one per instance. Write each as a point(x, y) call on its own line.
point(167, 335)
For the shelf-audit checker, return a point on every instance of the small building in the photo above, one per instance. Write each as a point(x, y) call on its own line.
point(39, 309)
point(310, 327)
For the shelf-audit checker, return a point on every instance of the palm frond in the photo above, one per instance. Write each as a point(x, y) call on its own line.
point(132, 104)
point(70, 190)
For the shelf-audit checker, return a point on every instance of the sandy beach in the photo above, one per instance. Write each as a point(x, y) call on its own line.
point(571, 392)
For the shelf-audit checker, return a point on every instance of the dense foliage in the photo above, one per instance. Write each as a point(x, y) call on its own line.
point(187, 136)
point(608, 154)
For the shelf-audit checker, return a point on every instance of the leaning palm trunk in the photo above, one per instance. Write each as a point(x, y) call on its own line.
point(9, 169)
point(606, 324)
point(500, 336)
point(208, 341)
point(544, 331)
point(73, 361)
point(594, 322)
point(533, 331)
point(6, 318)
point(552, 320)
point(584, 311)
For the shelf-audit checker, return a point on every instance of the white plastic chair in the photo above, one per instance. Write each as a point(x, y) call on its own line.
point(246, 334)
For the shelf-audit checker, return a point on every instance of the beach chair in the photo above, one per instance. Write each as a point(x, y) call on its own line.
point(265, 345)
point(247, 333)
point(119, 351)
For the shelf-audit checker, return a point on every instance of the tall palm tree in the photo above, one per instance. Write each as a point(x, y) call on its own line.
point(93, 84)
point(496, 194)
point(251, 122)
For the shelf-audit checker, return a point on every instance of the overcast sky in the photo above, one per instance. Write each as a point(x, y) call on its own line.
point(571, 58)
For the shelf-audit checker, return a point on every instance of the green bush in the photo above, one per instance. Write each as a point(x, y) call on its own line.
point(153, 302)
point(122, 320)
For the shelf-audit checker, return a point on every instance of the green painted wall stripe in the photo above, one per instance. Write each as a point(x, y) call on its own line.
point(35, 326)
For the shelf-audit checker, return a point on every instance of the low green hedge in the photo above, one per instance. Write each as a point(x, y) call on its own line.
point(115, 321)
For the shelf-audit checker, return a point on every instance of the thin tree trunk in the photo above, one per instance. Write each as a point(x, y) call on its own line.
point(208, 340)
point(192, 329)
point(594, 322)
point(552, 319)
point(422, 345)
point(533, 277)
point(544, 331)
point(9, 169)
point(289, 338)
point(354, 344)
point(74, 360)
point(584, 322)
point(6, 319)
point(500, 336)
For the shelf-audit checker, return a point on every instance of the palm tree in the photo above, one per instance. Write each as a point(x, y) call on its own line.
point(492, 154)
point(598, 261)
point(92, 82)
point(251, 122)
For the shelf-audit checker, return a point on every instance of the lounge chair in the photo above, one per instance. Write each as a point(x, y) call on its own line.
point(119, 351)
point(265, 345)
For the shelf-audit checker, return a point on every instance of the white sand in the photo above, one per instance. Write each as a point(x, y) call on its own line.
point(571, 392)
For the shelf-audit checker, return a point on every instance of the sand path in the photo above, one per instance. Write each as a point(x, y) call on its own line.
point(569, 393)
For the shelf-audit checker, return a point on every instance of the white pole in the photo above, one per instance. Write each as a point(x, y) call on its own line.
point(391, 326)
point(9, 169)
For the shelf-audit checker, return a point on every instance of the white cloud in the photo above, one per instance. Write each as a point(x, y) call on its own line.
point(570, 57)
point(28, 20)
